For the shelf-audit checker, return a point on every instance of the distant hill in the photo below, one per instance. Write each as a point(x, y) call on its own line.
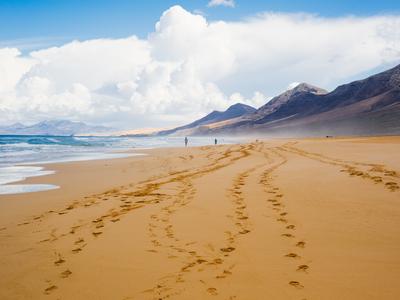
point(365, 107)
point(275, 103)
point(234, 111)
point(54, 127)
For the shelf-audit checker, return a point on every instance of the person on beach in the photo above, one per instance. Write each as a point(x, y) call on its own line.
point(215, 142)
point(186, 141)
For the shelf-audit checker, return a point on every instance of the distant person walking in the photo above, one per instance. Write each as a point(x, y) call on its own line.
point(215, 142)
point(186, 141)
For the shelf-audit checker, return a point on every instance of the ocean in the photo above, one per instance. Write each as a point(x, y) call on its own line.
point(26, 156)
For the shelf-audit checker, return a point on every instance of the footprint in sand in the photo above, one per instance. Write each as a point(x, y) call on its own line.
point(227, 249)
point(292, 255)
point(377, 179)
point(200, 261)
point(65, 274)
point(303, 268)
point(301, 244)
point(290, 227)
point(224, 274)
point(97, 233)
point(392, 186)
point(390, 173)
point(288, 235)
point(212, 291)
point(188, 266)
point(50, 289)
point(73, 229)
point(296, 284)
point(78, 241)
point(76, 250)
point(98, 220)
point(70, 207)
point(59, 261)
point(217, 261)
point(25, 223)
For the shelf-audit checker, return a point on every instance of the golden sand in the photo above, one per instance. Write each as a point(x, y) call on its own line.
point(280, 219)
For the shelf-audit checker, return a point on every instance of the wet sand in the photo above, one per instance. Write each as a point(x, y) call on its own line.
point(280, 219)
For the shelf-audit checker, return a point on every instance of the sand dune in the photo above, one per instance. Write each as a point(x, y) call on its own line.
point(280, 219)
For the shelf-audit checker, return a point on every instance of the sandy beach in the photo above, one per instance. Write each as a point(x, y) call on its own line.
point(276, 219)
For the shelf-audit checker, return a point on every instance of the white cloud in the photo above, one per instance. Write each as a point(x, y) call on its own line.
point(257, 100)
point(228, 3)
point(93, 63)
point(12, 68)
point(189, 66)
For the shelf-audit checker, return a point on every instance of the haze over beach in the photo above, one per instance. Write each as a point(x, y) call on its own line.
point(207, 149)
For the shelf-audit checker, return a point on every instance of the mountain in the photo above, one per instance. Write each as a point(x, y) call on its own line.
point(364, 107)
point(298, 91)
point(15, 126)
point(54, 127)
point(234, 111)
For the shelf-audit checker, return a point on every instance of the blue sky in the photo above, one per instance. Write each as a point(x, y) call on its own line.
point(104, 62)
point(31, 24)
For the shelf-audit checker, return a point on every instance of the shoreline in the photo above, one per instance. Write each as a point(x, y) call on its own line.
point(114, 148)
point(78, 179)
point(274, 219)
point(44, 168)
point(64, 173)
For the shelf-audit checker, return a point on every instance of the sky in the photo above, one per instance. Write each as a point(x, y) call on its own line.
point(135, 64)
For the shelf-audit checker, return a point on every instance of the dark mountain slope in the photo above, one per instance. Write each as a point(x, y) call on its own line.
point(278, 101)
point(232, 112)
point(369, 106)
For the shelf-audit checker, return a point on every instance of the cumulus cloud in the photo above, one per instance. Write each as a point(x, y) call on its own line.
point(12, 68)
point(189, 66)
point(228, 3)
point(257, 100)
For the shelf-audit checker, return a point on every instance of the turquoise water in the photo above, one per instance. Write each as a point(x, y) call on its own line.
point(22, 157)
